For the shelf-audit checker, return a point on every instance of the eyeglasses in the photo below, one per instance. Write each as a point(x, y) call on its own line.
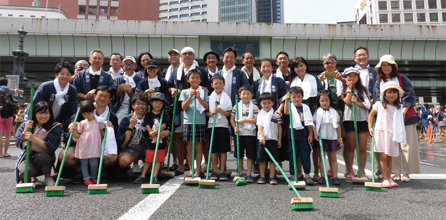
point(330, 62)
point(129, 64)
point(187, 53)
point(140, 103)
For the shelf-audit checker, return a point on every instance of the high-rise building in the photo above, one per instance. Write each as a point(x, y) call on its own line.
point(401, 12)
point(188, 10)
point(237, 11)
point(98, 9)
point(270, 11)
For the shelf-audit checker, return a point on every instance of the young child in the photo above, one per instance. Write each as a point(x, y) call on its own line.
point(247, 118)
point(152, 122)
point(187, 105)
point(355, 92)
point(89, 144)
point(326, 120)
point(433, 126)
point(389, 128)
point(302, 129)
point(270, 137)
point(220, 144)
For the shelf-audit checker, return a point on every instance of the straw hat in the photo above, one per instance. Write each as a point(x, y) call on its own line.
point(392, 85)
point(386, 58)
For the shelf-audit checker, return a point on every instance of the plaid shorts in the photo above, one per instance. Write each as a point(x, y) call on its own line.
point(200, 133)
point(137, 152)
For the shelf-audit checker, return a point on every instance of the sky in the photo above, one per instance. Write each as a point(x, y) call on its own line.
point(319, 11)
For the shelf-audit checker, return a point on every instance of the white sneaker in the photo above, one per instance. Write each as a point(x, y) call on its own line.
point(136, 169)
point(49, 181)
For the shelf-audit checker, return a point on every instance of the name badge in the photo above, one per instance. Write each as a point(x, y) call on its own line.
point(87, 78)
point(52, 98)
point(101, 79)
point(234, 80)
point(273, 88)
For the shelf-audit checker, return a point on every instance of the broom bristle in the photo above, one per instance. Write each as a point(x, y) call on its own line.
point(55, 193)
point(375, 189)
point(191, 184)
point(150, 190)
point(97, 191)
point(297, 188)
point(329, 194)
point(302, 206)
point(206, 186)
point(241, 182)
point(358, 183)
point(24, 190)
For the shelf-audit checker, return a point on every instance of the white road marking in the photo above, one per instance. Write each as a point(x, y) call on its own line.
point(151, 203)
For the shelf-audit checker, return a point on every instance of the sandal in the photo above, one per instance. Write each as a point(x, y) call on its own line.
point(405, 179)
point(397, 177)
point(386, 184)
point(174, 167)
point(177, 173)
point(393, 184)
point(349, 178)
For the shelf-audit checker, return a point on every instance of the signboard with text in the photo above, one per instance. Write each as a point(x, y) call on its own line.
point(13, 82)
point(241, 46)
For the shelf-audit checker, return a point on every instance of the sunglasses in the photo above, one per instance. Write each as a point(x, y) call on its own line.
point(129, 64)
point(329, 62)
point(187, 53)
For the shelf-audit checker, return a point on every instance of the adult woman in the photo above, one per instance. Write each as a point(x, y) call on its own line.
point(408, 160)
point(44, 138)
point(153, 81)
point(142, 60)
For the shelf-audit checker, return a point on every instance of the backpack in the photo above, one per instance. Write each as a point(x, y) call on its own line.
point(7, 103)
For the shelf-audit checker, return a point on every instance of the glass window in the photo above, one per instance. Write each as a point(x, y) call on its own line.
point(383, 19)
point(184, 8)
point(443, 3)
point(32, 16)
point(165, 10)
point(194, 6)
point(432, 4)
point(444, 16)
point(395, 5)
point(204, 6)
point(174, 16)
point(382, 5)
point(173, 3)
point(204, 13)
point(420, 4)
point(184, 1)
point(434, 17)
point(407, 4)
point(204, 20)
point(195, 0)
point(164, 3)
point(82, 9)
point(184, 15)
point(173, 9)
point(163, 18)
point(195, 14)
point(408, 17)
point(195, 20)
point(421, 17)
point(396, 18)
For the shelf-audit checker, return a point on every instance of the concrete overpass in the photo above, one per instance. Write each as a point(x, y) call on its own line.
point(420, 50)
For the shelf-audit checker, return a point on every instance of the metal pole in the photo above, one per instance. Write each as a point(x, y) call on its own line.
point(46, 8)
point(58, 12)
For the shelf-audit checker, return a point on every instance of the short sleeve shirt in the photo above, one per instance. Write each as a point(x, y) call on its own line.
point(153, 120)
point(275, 120)
point(189, 112)
point(362, 114)
point(245, 114)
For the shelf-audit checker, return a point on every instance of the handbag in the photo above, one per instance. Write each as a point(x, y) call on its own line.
point(411, 111)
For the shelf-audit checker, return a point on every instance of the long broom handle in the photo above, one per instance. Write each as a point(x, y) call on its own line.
point(323, 159)
point(172, 129)
point(356, 138)
point(102, 152)
point(28, 143)
point(130, 105)
point(237, 135)
point(373, 152)
point(210, 144)
point(283, 173)
point(193, 137)
point(156, 147)
point(292, 140)
point(66, 149)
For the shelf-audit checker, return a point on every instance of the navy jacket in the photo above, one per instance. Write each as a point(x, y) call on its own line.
point(143, 85)
point(82, 81)
point(278, 89)
point(117, 100)
point(238, 80)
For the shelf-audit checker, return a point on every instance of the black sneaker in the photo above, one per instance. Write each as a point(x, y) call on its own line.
point(335, 181)
point(140, 180)
point(256, 168)
point(223, 177)
point(321, 180)
point(213, 176)
point(155, 180)
point(261, 180)
point(309, 181)
point(78, 178)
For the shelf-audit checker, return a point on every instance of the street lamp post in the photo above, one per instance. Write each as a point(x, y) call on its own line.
point(19, 61)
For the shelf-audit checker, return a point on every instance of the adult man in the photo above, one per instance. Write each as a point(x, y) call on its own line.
point(115, 65)
point(87, 80)
point(234, 78)
point(211, 58)
point(251, 72)
point(178, 81)
point(282, 61)
point(121, 101)
point(102, 97)
point(368, 75)
point(6, 123)
point(173, 56)
point(59, 93)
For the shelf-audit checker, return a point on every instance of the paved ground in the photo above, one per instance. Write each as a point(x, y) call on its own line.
point(422, 198)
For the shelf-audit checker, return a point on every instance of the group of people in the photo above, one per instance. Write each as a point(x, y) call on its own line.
point(267, 109)
point(433, 122)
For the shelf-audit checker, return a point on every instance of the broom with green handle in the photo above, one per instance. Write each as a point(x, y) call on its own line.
point(60, 190)
point(191, 181)
point(326, 191)
point(26, 187)
point(172, 129)
point(298, 185)
point(372, 186)
point(154, 188)
point(100, 188)
point(209, 184)
point(359, 180)
point(298, 203)
point(239, 179)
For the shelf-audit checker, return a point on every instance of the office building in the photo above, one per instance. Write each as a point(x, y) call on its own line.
point(189, 10)
point(270, 11)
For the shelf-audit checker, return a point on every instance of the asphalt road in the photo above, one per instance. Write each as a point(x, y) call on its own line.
point(422, 198)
